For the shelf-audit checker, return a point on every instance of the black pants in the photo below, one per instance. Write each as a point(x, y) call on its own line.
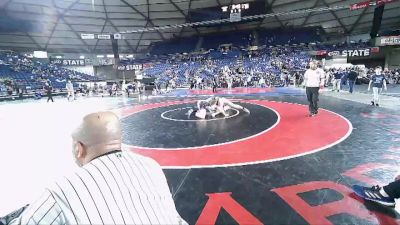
point(312, 97)
point(50, 97)
point(393, 189)
point(214, 89)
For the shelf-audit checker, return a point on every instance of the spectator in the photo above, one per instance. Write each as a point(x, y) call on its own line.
point(337, 80)
point(352, 79)
point(70, 90)
point(49, 92)
point(382, 195)
point(378, 81)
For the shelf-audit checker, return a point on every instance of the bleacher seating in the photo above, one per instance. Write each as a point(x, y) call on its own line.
point(212, 63)
point(28, 74)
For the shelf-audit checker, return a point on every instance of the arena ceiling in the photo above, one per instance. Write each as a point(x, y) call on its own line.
point(56, 25)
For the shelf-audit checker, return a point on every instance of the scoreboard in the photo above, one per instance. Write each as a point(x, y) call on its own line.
point(236, 10)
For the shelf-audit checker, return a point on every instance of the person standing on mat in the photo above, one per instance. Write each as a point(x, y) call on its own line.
point(378, 81)
point(382, 195)
point(352, 79)
point(49, 92)
point(70, 90)
point(336, 82)
point(313, 80)
point(215, 85)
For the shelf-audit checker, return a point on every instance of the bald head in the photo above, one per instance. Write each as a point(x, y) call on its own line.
point(97, 134)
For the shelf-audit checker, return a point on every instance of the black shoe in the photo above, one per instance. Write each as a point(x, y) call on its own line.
point(372, 103)
point(377, 105)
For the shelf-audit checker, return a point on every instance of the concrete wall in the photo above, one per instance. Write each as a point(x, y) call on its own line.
point(393, 59)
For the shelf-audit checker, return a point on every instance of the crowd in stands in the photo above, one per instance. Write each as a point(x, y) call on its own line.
point(280, 59)
point(364, 75)
point(232, 68)
point(19, 74)
point(284, 55)
point(266, 67)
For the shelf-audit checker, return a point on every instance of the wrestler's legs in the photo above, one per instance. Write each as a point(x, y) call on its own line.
point(236, 106)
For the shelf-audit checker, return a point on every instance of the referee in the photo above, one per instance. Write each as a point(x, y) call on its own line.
point(110, 187)
point(314, 79)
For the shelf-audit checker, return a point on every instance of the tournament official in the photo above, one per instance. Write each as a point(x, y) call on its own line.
point(110, 187)
point(313, 80)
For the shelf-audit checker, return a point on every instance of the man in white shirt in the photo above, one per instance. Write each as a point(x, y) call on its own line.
point(261, 82)
point(313, 80)
point(70, 90)
point(110, 187)
point(321, 71)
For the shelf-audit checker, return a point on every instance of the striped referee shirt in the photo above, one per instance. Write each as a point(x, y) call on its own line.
point(116, 188)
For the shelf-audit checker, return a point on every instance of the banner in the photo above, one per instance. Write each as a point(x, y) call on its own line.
point(104, 36)
point(381, 2)
point(360, 5)
point(351, 53)
point(321, 52)
point(365, 4)
point(105, 62)
point(68, 62)
point(87, 36)
point(130, 67)
point(375, 50)
point(148, 65)
point(390, 40)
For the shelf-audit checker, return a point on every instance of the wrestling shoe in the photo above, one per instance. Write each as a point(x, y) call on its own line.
point(373, 194)
point(246, 110)
point(189, 113)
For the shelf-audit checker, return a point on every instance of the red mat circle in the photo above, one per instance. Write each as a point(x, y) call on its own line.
point(295, 135)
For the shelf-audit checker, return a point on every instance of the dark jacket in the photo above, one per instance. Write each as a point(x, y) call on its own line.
point(352, 75)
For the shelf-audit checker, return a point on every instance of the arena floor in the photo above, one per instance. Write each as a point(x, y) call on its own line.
point(273, 166)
